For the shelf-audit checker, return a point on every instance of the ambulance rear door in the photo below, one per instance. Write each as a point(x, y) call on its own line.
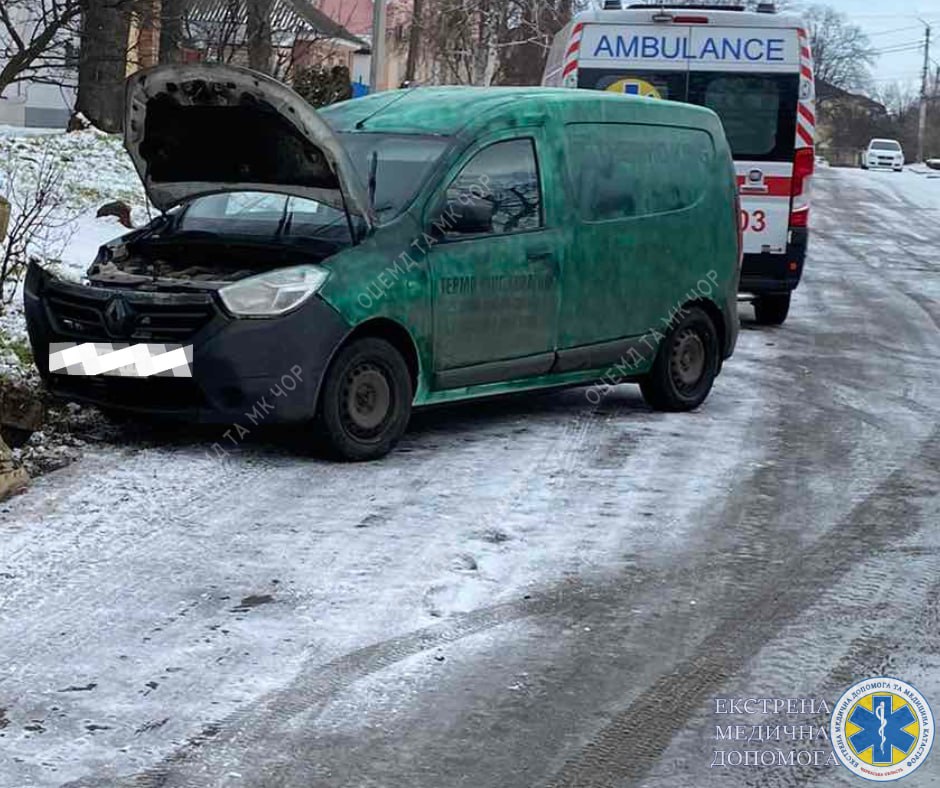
point(751, 78)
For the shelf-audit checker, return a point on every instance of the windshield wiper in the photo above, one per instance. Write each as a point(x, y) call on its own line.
point(284, 222)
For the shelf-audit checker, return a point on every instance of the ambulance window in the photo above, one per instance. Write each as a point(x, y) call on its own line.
point(556, 56)
point(667, 85)
point(758, 112)
point(620, 170)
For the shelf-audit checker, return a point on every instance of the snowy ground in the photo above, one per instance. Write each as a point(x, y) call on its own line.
point(95, 170)
point(532, 592)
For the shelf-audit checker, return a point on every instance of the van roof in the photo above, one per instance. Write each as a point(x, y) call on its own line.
point(447, 110)
point(637, 16)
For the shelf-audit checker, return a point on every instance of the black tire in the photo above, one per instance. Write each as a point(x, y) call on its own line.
point(686, 364)
point(772, 310)
point(365, 401)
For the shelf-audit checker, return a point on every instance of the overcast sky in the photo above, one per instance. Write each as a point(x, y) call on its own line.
point(899, 29)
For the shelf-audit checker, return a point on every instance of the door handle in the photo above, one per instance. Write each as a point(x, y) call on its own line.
point(753, 189)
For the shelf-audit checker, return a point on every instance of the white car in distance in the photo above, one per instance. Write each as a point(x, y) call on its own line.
point(883, 153)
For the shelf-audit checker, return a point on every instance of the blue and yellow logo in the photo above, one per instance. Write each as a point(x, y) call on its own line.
point(634, 87)
point(882, 729)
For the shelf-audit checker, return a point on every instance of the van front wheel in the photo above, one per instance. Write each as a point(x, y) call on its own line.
point(771, 310)
point(686, 364)
point(365, 402)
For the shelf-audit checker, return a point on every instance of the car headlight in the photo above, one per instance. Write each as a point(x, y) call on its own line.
point(274, 292)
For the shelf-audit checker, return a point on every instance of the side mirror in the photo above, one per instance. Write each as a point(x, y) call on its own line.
point(470, 218)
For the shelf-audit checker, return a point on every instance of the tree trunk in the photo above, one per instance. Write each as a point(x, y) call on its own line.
point(259, 35)
point(414, 40)
point(171, 30)
point(102, 63)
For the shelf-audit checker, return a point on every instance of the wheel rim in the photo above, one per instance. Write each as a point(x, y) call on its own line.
point(687, 362)
point(366, 401)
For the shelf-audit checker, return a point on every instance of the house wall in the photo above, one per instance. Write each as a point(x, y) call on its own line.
point(143, 41)
point(35, 104)
point(356, 17)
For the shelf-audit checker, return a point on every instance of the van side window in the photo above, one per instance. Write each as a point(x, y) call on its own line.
point(620, 170)
point(500, 186)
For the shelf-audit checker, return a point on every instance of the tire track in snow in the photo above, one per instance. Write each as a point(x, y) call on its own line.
point(630, 745)
point(206, 758)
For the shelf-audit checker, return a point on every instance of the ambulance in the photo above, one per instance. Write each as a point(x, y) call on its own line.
point(755, 70)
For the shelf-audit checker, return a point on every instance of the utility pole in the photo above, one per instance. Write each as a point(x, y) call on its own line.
point(377, 64)
point(922, 126)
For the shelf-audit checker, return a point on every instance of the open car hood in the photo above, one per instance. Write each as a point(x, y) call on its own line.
point(207, 128)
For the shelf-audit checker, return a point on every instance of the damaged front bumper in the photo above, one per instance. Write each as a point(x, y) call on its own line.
point(270, 368)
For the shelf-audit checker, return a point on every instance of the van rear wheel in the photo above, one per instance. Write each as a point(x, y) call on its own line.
point(365, 402)
point(686, 364)
point(772, 310)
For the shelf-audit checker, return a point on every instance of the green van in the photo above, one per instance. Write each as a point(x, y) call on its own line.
point(405, 249)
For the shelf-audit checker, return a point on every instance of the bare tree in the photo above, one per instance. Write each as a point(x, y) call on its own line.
point(528, 38)
point(414, 40)
point(478, 42)
point(36, 38)
point(39, 224)
point(258, 32)
point(842, 52)
point(218, 35)
point(102, 63)
point(171, 30)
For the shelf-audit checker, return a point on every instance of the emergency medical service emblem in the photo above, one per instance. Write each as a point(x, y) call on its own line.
point(882, 729)
point(635, 87)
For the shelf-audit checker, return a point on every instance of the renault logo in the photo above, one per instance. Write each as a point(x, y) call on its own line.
point(119, 317)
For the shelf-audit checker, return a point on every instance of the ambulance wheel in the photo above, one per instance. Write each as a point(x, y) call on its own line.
point(365, 402)
point(772, 310)
point(686, 365)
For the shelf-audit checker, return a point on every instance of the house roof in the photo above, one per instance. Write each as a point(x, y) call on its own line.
point(286, 15)
point(828, 92)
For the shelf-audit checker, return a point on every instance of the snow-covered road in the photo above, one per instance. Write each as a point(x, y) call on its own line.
point(537, 591)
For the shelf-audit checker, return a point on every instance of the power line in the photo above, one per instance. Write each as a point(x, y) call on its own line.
point(896, 30)
point(898, 49)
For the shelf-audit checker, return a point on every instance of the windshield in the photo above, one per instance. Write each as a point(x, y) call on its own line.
point(264, 215)
point(403, 162)
point(885, 145)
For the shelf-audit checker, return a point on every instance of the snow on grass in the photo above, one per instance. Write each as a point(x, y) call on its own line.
point(95, 170)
